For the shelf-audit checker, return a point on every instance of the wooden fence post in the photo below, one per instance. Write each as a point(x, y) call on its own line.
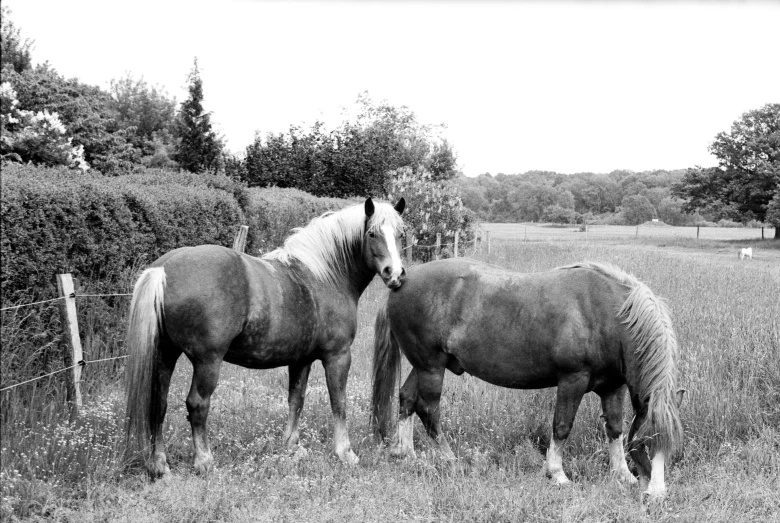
point(697, 232)
point(457, 237)
point(71, 340)
point(438, 245)
point(239, 242)
point(409, 240)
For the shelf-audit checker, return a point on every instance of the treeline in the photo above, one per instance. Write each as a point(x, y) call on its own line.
point(620, 197)
point(47, 119)
point(354, 159)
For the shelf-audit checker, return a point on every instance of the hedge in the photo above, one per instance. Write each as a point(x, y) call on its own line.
point(56, 220)
point(272, 213)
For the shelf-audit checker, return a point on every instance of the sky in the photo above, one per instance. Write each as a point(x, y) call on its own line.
point(558, 86)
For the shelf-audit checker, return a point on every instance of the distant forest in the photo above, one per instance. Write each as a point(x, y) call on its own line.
point(620, 197)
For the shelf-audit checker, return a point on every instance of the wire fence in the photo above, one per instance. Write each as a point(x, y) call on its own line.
point(57, 339)
point(579, 232)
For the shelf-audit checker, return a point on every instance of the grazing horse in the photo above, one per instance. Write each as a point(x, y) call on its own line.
point(295, 305)
point(746, 253)
point(584, 327)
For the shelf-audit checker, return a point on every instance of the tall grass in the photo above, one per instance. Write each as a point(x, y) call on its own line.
point(726, 317)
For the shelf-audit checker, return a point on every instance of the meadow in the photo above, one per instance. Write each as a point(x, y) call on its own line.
point(727, 316)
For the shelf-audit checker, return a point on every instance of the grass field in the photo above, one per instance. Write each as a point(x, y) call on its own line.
point(727, 316)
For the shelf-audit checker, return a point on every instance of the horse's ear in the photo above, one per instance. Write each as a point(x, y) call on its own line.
point(400, 206)
point(369, 207)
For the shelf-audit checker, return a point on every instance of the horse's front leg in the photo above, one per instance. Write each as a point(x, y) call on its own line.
point(299, 377)
point(204, 381)
point(336, 372)
point(571, 388)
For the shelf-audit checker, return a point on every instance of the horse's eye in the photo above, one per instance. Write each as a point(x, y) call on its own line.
point(371, 234)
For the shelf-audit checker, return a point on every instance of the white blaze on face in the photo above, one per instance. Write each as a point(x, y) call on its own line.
point(396, 266)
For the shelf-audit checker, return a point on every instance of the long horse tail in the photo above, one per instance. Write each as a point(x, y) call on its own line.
point(655, 348)
point(143, 334)
point(385, 375)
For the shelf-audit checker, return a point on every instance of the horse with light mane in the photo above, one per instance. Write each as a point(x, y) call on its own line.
point(746, 253)
point(294, 305)
point(584, 327)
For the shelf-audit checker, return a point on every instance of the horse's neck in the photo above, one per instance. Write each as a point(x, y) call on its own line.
point(358, 277)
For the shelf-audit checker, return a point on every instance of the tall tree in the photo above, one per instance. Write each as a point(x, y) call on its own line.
point(199, 147)
point(748, 174)
point(14, 49)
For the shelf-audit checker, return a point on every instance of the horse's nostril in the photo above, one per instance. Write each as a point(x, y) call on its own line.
point(386, 272)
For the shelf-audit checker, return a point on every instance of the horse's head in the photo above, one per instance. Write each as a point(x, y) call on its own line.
point(381, 245)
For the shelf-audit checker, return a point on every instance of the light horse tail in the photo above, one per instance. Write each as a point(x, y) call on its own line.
point(655, 348)
point(143, 335)
point(385, 375)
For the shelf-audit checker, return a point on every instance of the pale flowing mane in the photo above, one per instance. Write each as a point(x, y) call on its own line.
point(326, 246)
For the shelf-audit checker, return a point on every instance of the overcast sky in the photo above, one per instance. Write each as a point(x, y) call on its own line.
point(561, 86)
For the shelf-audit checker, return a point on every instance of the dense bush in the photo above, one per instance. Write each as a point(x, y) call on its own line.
point(56, 220)
point(271, 214)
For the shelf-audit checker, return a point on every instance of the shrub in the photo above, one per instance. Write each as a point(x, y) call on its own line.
point(56, 220)
point(272, 213)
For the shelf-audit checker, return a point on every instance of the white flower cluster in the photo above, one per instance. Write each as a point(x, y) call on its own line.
point(40, 133)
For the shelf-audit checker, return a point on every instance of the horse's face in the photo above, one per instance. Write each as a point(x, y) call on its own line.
point(381, 248)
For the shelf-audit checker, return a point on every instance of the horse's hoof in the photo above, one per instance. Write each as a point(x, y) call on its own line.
point(203, 464)
point(402, 452)
point(624, 476)
point(349, 458)
point(158, 467)
point(651, 498)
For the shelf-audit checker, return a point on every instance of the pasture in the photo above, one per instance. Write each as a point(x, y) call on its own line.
point(727, 316)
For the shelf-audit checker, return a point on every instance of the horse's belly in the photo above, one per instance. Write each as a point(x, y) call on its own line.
point(507, 370)
point(269, 355)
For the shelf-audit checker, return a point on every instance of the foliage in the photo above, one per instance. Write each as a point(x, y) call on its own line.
point(35, 137)
point(773, 210)
point(56, 221)
point(272, 213)
point(537, 195)
point(199, 147)
point(148, 117)
point(14, 49)
point(637, 209)
point(84, 110)
point(432, 206)
point(354, 159)
point(749, 171)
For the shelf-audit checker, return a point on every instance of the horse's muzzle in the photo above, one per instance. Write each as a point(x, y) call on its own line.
point(394, 281)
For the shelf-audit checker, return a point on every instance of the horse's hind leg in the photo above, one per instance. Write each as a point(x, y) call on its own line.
point(168, 354)
point(299, 377)
point(427, 407)
point(570, 391)
point(336, 372)
point(612, 405)
point(204, 381)
point(407, 397)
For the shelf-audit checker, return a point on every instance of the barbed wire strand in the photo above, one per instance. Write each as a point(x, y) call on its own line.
point(30, 304)
point(73, 295)
point(82, 363)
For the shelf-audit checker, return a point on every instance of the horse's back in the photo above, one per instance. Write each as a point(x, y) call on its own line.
point(509, 328)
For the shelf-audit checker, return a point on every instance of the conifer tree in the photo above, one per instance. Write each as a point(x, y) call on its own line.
point(199, 147)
